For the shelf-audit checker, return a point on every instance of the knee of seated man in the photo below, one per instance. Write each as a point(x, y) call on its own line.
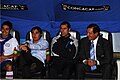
point(8, 67)
point(107, 66)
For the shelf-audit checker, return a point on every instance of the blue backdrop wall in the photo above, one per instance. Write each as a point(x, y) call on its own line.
point(48, 14)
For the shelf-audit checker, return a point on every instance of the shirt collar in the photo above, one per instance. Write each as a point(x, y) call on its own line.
point(95, 40)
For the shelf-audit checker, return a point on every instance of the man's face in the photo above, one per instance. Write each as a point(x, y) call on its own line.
point(64, 30)
point(36, 35)
point(91, 35)
point(5, 31)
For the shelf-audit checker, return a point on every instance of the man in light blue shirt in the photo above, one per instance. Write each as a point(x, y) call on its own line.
point(38, 50)
point(33, 53)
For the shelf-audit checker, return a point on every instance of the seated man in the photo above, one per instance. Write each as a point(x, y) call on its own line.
point(33, 53)
point(95, 54)
point(7, 46)
point(64, 47)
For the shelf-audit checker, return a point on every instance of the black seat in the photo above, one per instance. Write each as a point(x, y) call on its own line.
point(73, 33)
point(16, 35)
point(46, 35)
point(97, 74)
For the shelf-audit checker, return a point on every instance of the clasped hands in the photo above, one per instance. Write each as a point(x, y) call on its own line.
point(90, 62)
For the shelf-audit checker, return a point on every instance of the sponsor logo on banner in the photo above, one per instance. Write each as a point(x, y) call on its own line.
point(81, 8)
point(13, 7)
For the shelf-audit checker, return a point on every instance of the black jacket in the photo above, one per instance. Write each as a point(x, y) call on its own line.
point(103, 50)
point(64, 48)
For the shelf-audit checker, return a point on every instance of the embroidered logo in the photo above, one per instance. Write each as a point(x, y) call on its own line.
point(7, 44)
point(71, 43)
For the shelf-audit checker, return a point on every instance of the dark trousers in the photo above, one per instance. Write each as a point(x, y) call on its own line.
point(61, 69)
point(81, 69)
point(25, 60)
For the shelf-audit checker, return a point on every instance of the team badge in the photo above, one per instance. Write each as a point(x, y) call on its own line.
point(71, 42)
point(7, 44)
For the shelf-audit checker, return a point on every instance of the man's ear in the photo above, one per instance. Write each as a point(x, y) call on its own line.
point(41, 35)
point(96, 33)
point(69, 29)
point(11, 31)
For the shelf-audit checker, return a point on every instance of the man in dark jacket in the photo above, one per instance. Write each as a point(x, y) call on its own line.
point(95, 54)
point(64, 47)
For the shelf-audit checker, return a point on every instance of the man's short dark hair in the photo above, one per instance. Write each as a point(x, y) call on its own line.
point(95, 27)
point(8, 23)
point(64, 23)
point(38, 28)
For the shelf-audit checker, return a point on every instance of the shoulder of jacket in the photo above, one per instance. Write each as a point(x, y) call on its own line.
point(103, 39)
point(56, 37)
point(73, 38)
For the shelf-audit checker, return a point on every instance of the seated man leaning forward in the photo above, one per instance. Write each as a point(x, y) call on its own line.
point(33, 53)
